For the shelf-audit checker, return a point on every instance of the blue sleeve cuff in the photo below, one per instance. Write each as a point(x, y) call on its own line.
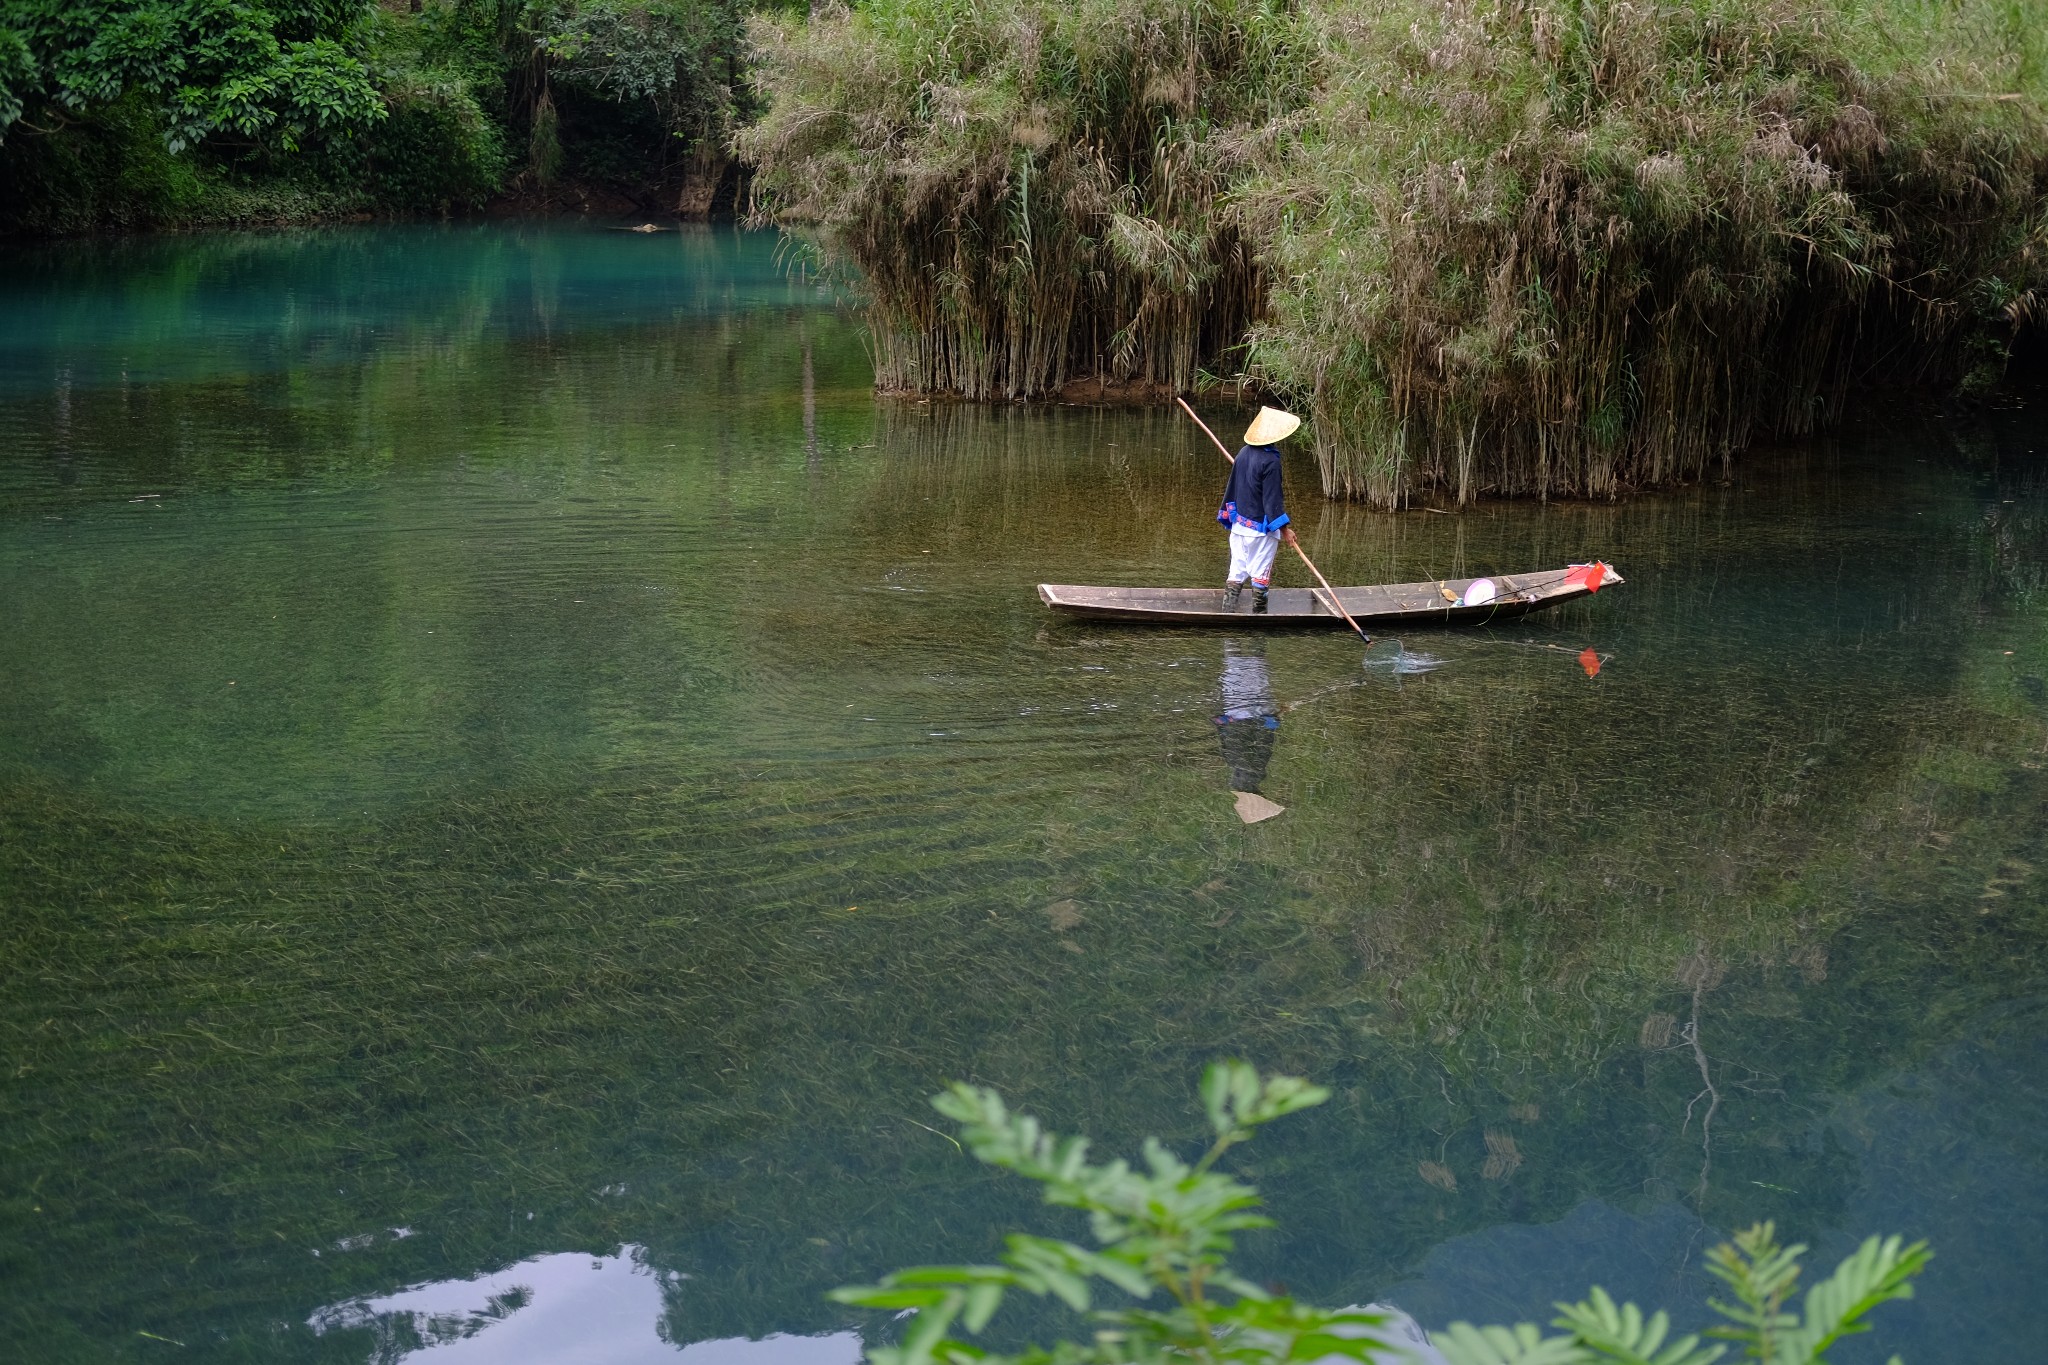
point(1277, 522)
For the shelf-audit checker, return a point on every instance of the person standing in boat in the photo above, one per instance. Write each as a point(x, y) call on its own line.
point(1255, 509)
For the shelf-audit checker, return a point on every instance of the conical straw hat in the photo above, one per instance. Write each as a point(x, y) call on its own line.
point(1269, 426)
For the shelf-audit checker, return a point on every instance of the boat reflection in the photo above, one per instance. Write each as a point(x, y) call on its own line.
point(568, 1307)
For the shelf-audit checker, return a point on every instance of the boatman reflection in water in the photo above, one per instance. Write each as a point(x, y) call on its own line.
point(1248, 726)
point(1254, 508)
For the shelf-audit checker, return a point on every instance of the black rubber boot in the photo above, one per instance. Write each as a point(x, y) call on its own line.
point(1230, 593)
point(1258, 599)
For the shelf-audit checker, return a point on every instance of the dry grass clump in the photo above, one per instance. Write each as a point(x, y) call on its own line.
point(1562, 247)
point(1032, 189)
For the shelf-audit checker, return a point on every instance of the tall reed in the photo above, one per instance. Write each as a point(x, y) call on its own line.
point(1032, 190)
point(1549, 247)
point(1565, 247)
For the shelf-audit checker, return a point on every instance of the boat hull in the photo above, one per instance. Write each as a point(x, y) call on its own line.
point(1407, 604)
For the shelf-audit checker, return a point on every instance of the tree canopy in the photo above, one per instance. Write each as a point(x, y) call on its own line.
point(271, 72)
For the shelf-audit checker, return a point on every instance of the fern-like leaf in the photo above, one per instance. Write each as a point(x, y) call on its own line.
point(1879, 1271)
point(1523, 1344)
point(1621, 1333)
point(1762, 1274)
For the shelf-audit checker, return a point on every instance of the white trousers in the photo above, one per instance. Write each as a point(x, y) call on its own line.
point(1251, 555)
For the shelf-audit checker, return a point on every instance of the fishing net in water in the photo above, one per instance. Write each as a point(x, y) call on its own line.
point(1391, 656)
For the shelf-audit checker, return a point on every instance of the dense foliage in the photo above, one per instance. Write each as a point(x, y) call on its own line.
point(135, 112)
point(679, 58)
point(274, 72)
point(1532, 246)
point(1166, 1229)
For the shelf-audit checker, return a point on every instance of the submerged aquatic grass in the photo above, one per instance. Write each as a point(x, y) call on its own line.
point(650, 965)
point(627, 806)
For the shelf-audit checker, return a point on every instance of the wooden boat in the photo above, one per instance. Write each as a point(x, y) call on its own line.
point(1413, 604)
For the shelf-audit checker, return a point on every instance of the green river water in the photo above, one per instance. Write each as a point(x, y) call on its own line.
point(519, 774)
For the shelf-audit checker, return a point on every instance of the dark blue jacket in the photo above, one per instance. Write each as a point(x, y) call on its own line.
point(1252, 497)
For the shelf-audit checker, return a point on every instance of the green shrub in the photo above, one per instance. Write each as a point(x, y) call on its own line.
point(111, 168)
point(1164, 1230)
point(436, 150)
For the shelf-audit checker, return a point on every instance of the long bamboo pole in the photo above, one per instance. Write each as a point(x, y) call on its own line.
point(1330, 601)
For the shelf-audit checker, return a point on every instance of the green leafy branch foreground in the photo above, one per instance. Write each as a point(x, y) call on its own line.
point(1164, 1232)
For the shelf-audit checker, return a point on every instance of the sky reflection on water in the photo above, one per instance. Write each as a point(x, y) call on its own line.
point(564, 1309)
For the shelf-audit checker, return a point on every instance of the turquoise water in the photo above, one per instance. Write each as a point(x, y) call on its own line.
point(518, 774)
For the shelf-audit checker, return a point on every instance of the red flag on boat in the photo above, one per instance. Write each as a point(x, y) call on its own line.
point(1587, 576)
